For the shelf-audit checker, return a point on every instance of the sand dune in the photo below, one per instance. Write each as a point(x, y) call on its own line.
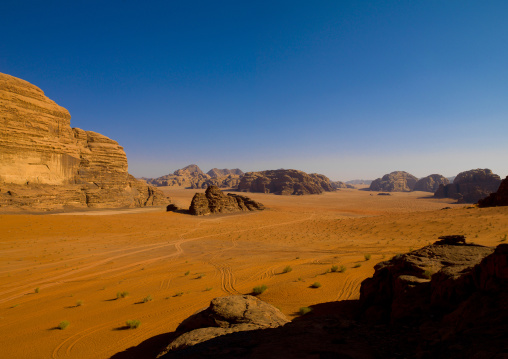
point(79, 263)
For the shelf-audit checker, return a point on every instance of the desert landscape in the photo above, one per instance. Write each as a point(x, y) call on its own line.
point(74, 267)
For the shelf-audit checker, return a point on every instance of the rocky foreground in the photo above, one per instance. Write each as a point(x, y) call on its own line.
point(446, 300)
point(46, 165)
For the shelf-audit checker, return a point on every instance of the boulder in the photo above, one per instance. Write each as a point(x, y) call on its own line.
point(470, 186)
point(398, 181)
point(499, 198)
point(49, 165)
point(285, 182)
point(224, 316)
point(430, 183)
point(214, 201)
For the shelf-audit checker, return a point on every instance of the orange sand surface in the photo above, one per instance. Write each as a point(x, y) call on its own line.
point(71, 267)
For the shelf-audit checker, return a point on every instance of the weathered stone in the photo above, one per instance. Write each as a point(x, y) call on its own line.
point(470, 186)
point(224, 316)
point(192, 177)
point(285, 182)
point(50, 165)
point(499, 198)
point(217, 173)
point(215, 201)
point(430, 183)
point(398, 181)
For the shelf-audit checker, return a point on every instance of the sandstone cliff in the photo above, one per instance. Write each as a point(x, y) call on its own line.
point(45, 164)
point(499, 198)
point(217, 173)
point(398, 181)
point(285, 182)
point(215, 201)
point(470, 186)
point(430, 183)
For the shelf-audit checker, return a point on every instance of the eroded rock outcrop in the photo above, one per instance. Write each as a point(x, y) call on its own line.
point(470, 186)
point(285, 182)
point(499, 198)
point(397, 181)
point(193, 177)
point(214, 201)
point(430, 183)
point(224, 316)
point(45, 164)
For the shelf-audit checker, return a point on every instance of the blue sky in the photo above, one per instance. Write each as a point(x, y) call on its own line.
point(350, 89)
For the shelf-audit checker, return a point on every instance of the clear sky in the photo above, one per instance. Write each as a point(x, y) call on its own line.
point(349, 89)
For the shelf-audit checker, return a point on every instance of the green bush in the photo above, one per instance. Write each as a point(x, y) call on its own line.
point(187, 273)
point(287, 269)
point(133, 324)
point(148, 298)
point(334, 269)
point(63, 324)
point(367, 256)
point(316, 285)
point(37, 290)
point(259, 289)
point(79, 303)
point(342, 269)
point(305, 310)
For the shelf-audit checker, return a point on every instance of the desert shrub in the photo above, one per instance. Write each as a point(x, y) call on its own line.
point(148, 298)
point(358, 265)
point(63, 324)
point(427, 274)
point(36, 290)
point(121, 294)
point(133, 324)
point(305, 310)
point(178, 294)
point(208, 289)
point(187, 273)
point(287, 269)
point(367, 256)
point(316, 285)
point(79, 303)
point(259, 289)
point(334, 269)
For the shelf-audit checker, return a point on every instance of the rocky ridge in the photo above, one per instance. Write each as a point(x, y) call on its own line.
point(47, 165)
point(470, 186)
point(430, 183)
point(499, 198)
point(285, 182)
point(397, 181)
point(447, 299)
point(193, 177)
point(214, 201)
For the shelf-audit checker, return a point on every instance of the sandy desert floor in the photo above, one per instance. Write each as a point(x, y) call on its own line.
point(71, 267)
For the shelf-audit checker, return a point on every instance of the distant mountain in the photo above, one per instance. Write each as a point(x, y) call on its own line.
point(216, 173)
point(359, 181)
point(397, 181)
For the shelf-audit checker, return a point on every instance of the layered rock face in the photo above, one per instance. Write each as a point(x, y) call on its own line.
point(45, 164)
point(226, 315)
point(470, 186)
point(430, 183)
point(193, 177)
point(499, 198)
point(215, 201)
point(398, 181)
point(285, 182)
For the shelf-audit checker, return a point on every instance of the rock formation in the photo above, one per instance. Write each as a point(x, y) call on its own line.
point(45, 164)
point(224, 316)
point(359, 182)
point(215, 201)
point(499, 198)
point(285, 182)
point(217, 173)
point(446, 300)
point(192, 177)
point(339, 185)
point(398, 181)
point(430, 183)
point(470, 186)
